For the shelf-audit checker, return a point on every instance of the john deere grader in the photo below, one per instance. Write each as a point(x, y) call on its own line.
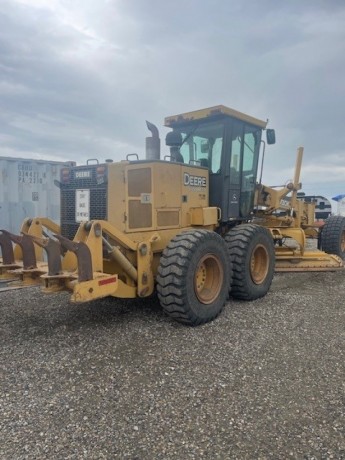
point(193, 226)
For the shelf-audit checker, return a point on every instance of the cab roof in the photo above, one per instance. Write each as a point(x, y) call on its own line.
point(211, 112)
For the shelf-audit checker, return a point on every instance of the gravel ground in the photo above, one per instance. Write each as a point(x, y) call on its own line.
point(120, 380)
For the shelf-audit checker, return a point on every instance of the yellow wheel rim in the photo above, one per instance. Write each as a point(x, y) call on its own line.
point(208, 279)
point(259, 264)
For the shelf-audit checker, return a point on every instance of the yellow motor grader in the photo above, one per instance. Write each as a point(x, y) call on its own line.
point(192, 226)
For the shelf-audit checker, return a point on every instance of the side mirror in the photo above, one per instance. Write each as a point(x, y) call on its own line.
point(270, 136)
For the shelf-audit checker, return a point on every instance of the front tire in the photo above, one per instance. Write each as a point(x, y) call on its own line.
point(193, 277)
point(252, 254)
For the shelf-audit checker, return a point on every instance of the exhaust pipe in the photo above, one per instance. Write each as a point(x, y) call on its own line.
point(153, 144)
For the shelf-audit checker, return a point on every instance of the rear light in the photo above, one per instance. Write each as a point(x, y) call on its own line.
point(65, 175)
point(101, 173)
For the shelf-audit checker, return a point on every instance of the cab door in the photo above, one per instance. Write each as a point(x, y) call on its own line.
point(244, 154)
point(235, 145)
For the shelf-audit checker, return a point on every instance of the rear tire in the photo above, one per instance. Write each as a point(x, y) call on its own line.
point(193, 277)
point(333, 236)
point(252, 255)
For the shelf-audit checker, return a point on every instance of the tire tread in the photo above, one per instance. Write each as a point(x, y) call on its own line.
point(238, 240)
point(172, 275)
point(331, 235)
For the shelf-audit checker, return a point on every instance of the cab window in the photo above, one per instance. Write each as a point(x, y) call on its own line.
point(251, 146)
point(203, 144)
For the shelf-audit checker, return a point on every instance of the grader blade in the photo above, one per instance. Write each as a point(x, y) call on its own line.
point(82, 252)
point(318, 261)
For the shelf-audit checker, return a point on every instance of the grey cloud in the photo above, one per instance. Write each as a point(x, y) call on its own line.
point(81, 80)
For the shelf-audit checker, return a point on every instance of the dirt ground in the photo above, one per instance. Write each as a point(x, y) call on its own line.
point(114, 379)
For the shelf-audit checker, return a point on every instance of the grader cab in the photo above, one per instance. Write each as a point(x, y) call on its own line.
point(192, 226)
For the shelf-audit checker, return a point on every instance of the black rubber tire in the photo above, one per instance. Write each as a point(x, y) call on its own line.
point(177, 274)
point(244, 241)
point(333, 236)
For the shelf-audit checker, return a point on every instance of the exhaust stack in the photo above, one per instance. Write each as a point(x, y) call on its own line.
point(153, 144)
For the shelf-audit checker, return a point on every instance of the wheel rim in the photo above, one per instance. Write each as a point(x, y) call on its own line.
point(259, 264)
point(208, 279)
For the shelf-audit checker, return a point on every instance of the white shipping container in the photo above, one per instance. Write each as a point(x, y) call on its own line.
point(27, 189)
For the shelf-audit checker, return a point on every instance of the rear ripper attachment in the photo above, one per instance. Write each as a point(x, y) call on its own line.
point(24, 260)
point(94, 266)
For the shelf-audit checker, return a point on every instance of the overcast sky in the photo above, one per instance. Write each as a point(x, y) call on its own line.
point(78, 78)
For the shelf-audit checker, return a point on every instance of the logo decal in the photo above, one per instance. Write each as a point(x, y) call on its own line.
point(194, 181)
point(83, 174)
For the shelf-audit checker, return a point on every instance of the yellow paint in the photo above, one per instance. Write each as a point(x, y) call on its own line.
point(204, 216)
point(210, 113)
